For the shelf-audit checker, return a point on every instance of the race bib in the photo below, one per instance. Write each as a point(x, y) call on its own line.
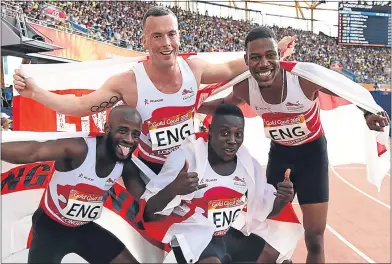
point(83, 206)
point(224, 212)
point(288, 130)
point(171, 132)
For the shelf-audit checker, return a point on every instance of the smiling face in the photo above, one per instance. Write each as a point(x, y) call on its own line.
point(122, 136)
point(262, 58)
point(226, 136)
point(161, 39)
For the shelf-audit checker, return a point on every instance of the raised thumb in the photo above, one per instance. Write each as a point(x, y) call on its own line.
point(287, 175)
point(186, 167)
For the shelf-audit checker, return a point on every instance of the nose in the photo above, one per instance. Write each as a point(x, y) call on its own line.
point(263, 62)
point(231, 139)
point(129, 139)
point(166, 41)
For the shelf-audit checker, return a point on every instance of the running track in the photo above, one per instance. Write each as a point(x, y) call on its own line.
point(358, 222)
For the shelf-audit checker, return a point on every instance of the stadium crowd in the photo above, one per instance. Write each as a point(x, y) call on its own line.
point(120, 22)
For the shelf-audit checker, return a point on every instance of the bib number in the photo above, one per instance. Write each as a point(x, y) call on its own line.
point(83, 206)
point(224, 212)
point(171, 136)
point(286, 130)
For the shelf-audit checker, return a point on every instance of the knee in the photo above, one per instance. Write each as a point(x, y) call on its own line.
point(314, 242)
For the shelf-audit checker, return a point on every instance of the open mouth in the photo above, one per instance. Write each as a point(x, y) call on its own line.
point(166, 53)
point(124, 150)
point(265, 74)
point(230, 151)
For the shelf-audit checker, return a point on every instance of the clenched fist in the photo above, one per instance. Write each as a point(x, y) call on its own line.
point(285, 189)
point(186, 182)
point(24, 86)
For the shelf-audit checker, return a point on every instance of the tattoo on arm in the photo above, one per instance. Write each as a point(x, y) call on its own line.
point(105, 105)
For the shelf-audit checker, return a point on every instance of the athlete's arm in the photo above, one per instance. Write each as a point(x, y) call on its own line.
point(373, 121)
point(102, 99)
point(33, 151)
point(132, 180)
point(235, 97)
point(214, 73)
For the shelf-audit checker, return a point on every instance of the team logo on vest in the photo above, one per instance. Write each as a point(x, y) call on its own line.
point(224, 212)
point(79, 203)
point(238, 181)
point(294, 107)
point(287, 130)
point(168, 133)
point(187, 94)
point(109, 183)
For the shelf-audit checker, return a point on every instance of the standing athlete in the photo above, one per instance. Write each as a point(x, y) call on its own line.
point(163, 89)
point(221, 175)
point(85, 169)
point(290, 110)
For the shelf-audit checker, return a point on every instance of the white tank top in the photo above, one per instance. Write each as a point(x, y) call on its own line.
point(223, 199)
point(76, 197)
point(295, 121)
point(167, 118)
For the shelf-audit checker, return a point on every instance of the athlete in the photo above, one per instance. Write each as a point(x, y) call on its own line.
point(85, 169)
point(163, 88)
point(219, 178)
point(290, 109)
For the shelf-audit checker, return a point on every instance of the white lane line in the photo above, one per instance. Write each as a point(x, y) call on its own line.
point(359, 190)
point(347, 243)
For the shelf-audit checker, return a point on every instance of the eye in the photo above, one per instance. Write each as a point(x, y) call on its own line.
point(255, 58)
point(239, 134)
point(136, 134)
point(224, 133)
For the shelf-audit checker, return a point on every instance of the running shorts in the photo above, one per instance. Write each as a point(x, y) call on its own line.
point(309, 169)
point(216, 248)
point(51, 241)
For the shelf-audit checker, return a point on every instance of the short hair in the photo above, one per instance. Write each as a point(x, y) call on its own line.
point(259, 33)
point(157, 11)
point(228, 109)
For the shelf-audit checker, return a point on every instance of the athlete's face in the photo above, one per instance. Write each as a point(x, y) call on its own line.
point(226, 136)
point(262, 58)
point(161, 38)
point(122, 137)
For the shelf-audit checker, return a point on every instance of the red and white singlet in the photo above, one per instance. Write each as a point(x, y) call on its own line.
point(76, 197)
point(223, 199)
point(167, 118)
point(295, 121)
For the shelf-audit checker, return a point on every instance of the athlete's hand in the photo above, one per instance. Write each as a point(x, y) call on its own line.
point(286, 46)
point(377, 122)
point(285, 189)
point(186, 182)
point(24, 86)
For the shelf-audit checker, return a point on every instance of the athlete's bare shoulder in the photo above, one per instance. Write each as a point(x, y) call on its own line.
point(125, 84)
point(241, 91)
point(197, 66)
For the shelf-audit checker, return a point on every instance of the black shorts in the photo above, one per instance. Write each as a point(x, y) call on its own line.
point(309, 169)
point(52, 241)
point(216, 248)
point(155, 167)
point(234, 247)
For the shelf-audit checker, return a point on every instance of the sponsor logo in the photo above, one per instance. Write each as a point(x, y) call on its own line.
point(150, 101)
point(294, 106)
point(187, 94)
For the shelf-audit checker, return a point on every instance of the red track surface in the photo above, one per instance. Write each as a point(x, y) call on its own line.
point(356, 218)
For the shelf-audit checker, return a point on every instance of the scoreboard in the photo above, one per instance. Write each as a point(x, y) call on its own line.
point(364, 25)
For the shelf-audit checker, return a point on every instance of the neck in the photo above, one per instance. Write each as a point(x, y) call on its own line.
point(161, 71)
point(102, 152)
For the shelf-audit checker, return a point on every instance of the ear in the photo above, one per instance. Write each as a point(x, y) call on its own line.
point(106, 129)
point(246, 58)
point(144, 41)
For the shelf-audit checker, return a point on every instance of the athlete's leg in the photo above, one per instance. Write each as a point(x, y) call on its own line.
point(268, 255)
point(315, 220)
point(215, 252)
point(313, 195)
point(97, 245)
point(50, 242)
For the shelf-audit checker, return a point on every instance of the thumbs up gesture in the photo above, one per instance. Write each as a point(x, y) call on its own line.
point(285, 189)
point(186, 182)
